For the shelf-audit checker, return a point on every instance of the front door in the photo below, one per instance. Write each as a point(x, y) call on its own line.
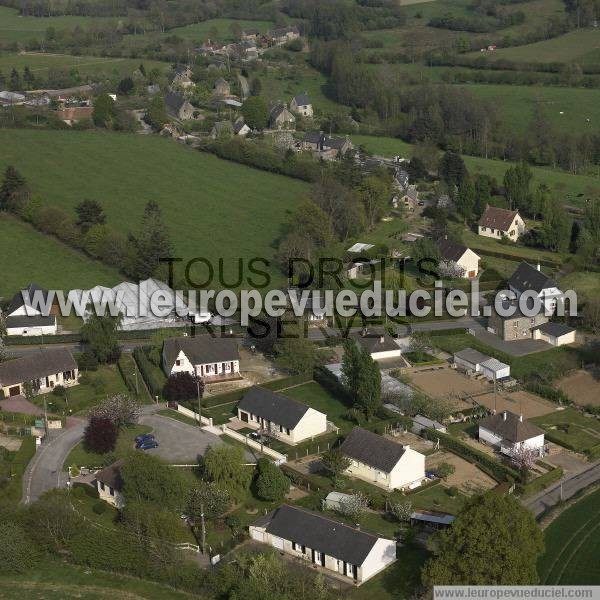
point(14, 391)
point(244, 416)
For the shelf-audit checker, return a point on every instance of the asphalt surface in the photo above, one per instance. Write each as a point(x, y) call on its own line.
point(570, 486)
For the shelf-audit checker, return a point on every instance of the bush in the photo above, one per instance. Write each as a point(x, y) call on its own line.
point(271, 484)
point(100, 436)
point(183, 386)
point(99, 507)
point(145, 368)
point(452, 491)
point(87, 362)
point(59, 391)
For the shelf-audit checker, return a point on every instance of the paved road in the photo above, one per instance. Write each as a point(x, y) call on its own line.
point(570, 486)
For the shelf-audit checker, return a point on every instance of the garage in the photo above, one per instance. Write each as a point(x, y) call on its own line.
point(15, 390)
point(494, 370)
point(469, 359)
point(556, 334)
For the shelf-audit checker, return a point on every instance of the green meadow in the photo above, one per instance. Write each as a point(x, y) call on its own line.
point(200, 32)
point(213, 208)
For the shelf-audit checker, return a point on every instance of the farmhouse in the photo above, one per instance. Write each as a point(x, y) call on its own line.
point(178, 107)
point(381, 461)
point(466, 261)
point(409, 199)
point(380, 346)
point(302, 105)
point(528, 278)
point(515, 326)
point(324, 542)
point(109, 484)
point(283, 35)
point(44, 369)
point(23, 318)
point(280, 416)
point(211, 359)
point(556, 334)
point(499, 222)
point(508, 433)
point(281, 118)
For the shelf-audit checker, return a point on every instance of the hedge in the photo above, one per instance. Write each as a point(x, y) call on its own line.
point(542, 482)
point(305, 480)
point(126, 374)
point(17, 340)
point(593, 453)
point(145, 368)
point(498, 471)
point(547, 391)
point(442, 332)
point(514, 257)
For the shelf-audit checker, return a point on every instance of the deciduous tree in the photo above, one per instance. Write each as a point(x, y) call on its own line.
point(100, 435)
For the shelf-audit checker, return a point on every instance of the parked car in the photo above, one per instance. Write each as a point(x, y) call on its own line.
point(143, 437)
point(147, 445)
point(261, 439)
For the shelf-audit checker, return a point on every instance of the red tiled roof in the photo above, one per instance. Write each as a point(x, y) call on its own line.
point(498, 218)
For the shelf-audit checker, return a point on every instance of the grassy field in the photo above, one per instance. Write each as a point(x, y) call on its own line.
point(587, 285)
point(573, 188)
point(22, 247)
point(573, 545)
point(40, 64)
point(571, 427)
point(15, 28)
point(56, 580)
point(200, 32)
point(213, 208)
point(582, 46)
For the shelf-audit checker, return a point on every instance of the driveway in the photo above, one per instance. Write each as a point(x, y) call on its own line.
point(179, 443)
point(20, 404)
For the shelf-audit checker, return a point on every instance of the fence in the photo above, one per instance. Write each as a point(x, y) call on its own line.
point(279, 458)
point(194, 415)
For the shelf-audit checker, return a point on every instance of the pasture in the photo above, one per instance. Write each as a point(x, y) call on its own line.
point(573, 545)
point(41, 63)
point(200, 32)
point(582, 387)
point(572, 429)
point(29, 256)
point(213, 208)
point(15, 28)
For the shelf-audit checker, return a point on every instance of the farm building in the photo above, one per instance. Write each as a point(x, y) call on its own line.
point(213, 359)
point(473, 360)
point(381, 461)
point(46, 369)
point(109, 484)
point(507, 432)
point(420, 423)
point(280, 416)
point(324, 542)
point(499, 222)
point(431, 519)
point(556, 334)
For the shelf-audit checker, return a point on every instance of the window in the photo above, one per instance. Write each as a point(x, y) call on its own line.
point(294, 546)
point(101, 486)
point(112, 491)
point(178, 363)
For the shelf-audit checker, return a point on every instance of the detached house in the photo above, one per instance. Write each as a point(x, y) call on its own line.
point(45, 369)
point(515, 326)
point(409, 198)
point(211, 359)
point(280, 416)
point(302, 105)
point(25, 316)
point(381, 461)
point(281, 118)
point(178, 107)
point(182, 77)
point(324, 542)
point(508, 432)
point(222, 87)
point(528, 278)
point(464, 258)
point(499, 222)
point(379, 346)
point(109, 484)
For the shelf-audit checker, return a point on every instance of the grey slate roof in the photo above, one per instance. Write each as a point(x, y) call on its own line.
point(33, 321)
point(451, 250)
point(373, 342)
point(511, 428)
point(36, 365)
point(25, 296)
point(321, 533)
point(277, 408)
point(555, 329)
point(174, 101)
point(527, 277)
point(201, 349)
point(372, 449)
point(111, 476)
point(470, 355)
point(302, 99)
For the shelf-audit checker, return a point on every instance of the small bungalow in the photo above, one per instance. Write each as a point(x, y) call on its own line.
point(381, 461)
point(280, 416)
point(109, 484)
point(211, 359)
point(379, 345)
point(324, 542)
point(281, 118)
point(499, 222)
point(508, 432)
point(45, 369)
point(302, 105)
point(466, 261)
point(178, 107)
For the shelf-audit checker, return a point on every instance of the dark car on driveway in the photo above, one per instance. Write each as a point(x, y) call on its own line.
point(144, 437)
point(147, 445)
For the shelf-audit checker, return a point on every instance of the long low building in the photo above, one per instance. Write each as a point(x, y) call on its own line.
point(280, 416)
point(46, 369)
point(473, 360)
point(324, 542)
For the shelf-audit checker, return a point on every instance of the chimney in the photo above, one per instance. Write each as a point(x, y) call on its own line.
point(381, 339)
point(538, 267)
point(406, 446)
point(521, 418)
point(504, 415)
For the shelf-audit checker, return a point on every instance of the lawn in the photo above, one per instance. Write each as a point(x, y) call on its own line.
point(586, 284)
point(437, 498)
point(213, 208)
point(56, 580)
point(21, 248)
point(40, 64)
point(80, 457)
point(15, 28)
point(573, 545)
point(106, 381)
point(200, 32)
point(572, 428)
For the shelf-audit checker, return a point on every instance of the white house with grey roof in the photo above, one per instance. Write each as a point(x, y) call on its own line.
point(381, 461)
point(507, 432)
point(528, 278)
point(466, 261)
point(302, 105)
point(380, 346)
point(284, 418)
point(211, 359)
point(26, 316)
point(324, 543)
